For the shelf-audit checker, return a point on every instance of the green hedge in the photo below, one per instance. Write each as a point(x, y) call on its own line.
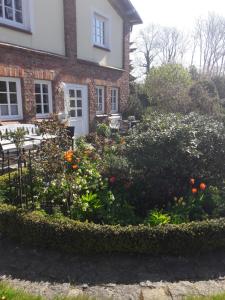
point(75, 237)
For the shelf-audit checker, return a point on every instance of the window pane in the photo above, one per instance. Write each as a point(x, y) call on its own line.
point(79, 113)
point(8, 13)
point(12, 87)
point(19, 17)
point(38, 98)
point(45, 99)
point(37, 88)
point(18, 4)
point(45, 88)
point(100, 107)
point(72, 114)
point(72, 103)
point(72, 93)
point(13, 98)
point(8, 3)
point(79, 103)
point(3, 99)
point(1, 11)
point(38, 109)
point(14, 110)
point(46, 109)
point(4, 110)
point(3, 87)
point(79, 94)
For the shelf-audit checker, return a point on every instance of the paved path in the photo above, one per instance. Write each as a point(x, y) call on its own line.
point(119, 277)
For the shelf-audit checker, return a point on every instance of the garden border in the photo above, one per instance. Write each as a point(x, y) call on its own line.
point(38, 230)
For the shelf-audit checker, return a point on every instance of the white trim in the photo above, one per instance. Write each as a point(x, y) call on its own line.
point(26, 15)
point(100, 112)
point(49, 84)
point(19, 99)
point(106, 20)
point(113, 111)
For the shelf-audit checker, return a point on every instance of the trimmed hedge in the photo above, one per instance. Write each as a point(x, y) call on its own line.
point(74, 237)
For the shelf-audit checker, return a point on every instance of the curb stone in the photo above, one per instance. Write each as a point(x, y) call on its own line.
point(155, 294)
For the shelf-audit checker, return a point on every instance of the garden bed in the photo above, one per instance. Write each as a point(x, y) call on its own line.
point(35, 229)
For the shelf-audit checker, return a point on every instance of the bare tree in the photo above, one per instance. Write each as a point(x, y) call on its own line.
point(147, 47)
point(209, 45)
point(173, 45)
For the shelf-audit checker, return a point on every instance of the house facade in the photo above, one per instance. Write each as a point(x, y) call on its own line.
point(67, 57)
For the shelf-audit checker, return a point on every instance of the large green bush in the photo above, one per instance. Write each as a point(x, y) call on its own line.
point(166, 150)
point(36, 229)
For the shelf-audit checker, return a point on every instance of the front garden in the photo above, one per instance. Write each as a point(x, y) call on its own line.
point(165, 178)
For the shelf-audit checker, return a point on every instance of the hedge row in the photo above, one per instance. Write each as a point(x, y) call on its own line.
point(73, 237)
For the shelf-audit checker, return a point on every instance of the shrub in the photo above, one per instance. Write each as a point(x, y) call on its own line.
point(165, 150)
point(73, 237)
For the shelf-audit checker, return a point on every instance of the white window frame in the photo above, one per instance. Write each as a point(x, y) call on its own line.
point(99, 112)
point(26, 15)
point(19, 99)
point(105, 21)
point(115, 97)
point(49, 83)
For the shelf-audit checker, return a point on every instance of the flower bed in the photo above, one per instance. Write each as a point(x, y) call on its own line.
point(36, 229)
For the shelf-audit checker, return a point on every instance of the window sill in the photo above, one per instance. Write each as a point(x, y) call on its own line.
point(102, 48)
point(6, 119)
point(101, 115)
point(43, 116)
point(15, 28)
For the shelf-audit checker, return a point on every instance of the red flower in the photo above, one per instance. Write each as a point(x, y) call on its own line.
point(202, 186)
point(112, 179)
point(194, 191)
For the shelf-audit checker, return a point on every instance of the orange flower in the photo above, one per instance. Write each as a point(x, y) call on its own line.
point(202, 186)
point(192, 181)
point(78, 160)
point(194, 191)
point(75, 167)
point(69, 159)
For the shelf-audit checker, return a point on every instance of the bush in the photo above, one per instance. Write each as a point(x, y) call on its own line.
point(36, 229)
point(166, 150)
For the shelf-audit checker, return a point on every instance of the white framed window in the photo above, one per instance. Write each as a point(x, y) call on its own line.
point(43, 98)
point(114, 100)
point(100, 95)
point(15, 13)
point(100, 31)
point(10, 99)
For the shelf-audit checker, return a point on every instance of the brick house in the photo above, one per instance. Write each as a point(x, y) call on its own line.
point(68, 57)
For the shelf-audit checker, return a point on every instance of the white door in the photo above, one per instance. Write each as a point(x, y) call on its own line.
point(76, 107)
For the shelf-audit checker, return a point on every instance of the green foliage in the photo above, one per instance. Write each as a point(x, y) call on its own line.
point(17, 137)
point(74, 237)
point(219, 82)
point(204, 97)
point(165, 150)
point(167, 88)
point(156, 218)
point(103, 130)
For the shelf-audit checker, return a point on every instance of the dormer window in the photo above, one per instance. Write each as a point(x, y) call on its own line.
point(14, 13)
point(101, 31)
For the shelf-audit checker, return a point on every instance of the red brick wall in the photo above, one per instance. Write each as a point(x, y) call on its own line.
point(30, 65)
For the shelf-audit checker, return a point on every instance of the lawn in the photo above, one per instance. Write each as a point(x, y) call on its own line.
point(216, 297)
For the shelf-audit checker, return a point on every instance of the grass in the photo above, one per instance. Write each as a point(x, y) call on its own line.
point(216, 297)
point(8, 293)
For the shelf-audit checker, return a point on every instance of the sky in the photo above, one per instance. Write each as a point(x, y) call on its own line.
point(177, 13)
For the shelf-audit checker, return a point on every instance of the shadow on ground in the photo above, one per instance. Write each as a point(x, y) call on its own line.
point(43, 265)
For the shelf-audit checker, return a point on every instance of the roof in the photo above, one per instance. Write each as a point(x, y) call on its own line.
point(126, 9)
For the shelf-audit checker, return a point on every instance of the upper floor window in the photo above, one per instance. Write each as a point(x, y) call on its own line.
point(114, 100)
point(100, 99)
point(14, 13)
point(43, 98)
point(10, 99)
point(101, 28)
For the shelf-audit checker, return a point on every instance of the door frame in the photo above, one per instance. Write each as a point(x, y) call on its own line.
point(85, 104)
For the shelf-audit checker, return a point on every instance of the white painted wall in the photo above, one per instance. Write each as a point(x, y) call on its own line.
point(47, 26)
point(85, 49)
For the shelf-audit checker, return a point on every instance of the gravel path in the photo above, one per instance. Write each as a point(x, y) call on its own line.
point(119, 277)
